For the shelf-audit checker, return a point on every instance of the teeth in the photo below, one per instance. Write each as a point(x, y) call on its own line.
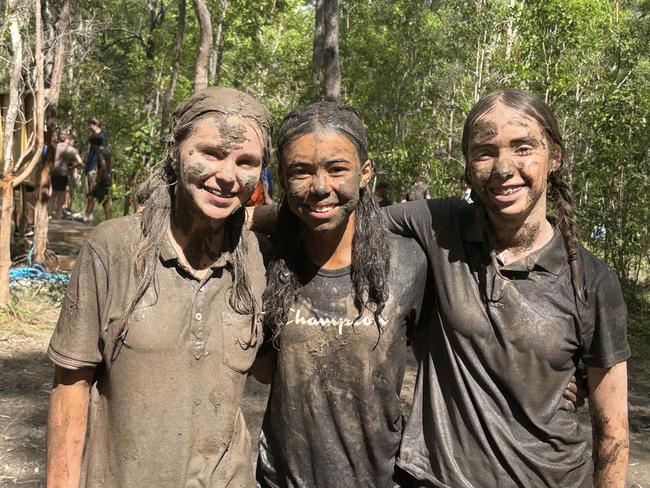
point(216, 192)
point(322, 209)
point(506, 191)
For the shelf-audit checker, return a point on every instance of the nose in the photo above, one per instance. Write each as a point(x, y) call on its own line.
point(226, 171)
point(320, 184)
point(504, 168)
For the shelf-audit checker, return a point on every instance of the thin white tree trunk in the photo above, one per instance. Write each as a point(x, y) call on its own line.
point(203, 57)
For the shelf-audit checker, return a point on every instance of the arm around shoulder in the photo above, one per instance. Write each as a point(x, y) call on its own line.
point(66, 425)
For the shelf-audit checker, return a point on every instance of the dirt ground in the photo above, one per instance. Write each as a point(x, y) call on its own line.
point(26, 378)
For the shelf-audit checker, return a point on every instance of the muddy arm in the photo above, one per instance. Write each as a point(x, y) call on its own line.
point(608, 408)
point(262, 219)
point(66, 425)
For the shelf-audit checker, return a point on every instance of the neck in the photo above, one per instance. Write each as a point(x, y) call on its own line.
point(333, 249)
point(197, 240)
point(517, 238)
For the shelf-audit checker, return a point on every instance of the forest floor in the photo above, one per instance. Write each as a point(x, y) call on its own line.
point(26, 379)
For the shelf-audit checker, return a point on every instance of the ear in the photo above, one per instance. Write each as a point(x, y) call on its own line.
point(366, 172)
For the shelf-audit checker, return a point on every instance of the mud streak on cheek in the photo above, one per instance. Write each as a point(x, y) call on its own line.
point(197, 169)
point(249, 182)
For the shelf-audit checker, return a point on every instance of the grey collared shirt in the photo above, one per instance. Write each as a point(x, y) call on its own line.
point(166, 411)
point(488, 407)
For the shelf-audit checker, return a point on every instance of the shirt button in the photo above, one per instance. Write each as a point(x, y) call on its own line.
point(198, 316)
point(202, 289)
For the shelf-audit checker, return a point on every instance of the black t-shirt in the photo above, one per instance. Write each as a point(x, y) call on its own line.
point(488, 407)
point(334, 416)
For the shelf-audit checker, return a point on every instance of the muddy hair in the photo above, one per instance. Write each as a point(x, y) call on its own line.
point(560, 191)
point(370, 249)
point(157, 195)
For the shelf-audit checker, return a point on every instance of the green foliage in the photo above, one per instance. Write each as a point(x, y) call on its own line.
point(413, 70)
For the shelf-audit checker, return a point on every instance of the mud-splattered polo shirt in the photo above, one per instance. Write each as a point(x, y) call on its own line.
point(166, 412)
point(488, 407)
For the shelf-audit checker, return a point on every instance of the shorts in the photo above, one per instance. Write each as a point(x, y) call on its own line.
point(59, 182)
point(100, 191)
point(90, 181)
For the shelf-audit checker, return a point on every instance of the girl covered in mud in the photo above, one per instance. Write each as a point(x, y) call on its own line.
point(160, 321)
point(519, 303)
point(340, 299)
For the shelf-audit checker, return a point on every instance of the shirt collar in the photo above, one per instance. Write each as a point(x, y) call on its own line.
point(168, 254)
point(552, 257)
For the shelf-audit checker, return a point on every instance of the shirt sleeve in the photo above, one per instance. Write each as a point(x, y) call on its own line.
point(408, 219)
point(605, 339)
point(75, 341)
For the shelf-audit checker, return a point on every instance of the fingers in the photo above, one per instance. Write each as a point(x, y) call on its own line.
point(570, 395)
point(573, 386)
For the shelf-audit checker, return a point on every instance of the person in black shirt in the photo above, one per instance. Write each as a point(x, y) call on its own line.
point(519, 304)
point(341, 298)
point(101, 191)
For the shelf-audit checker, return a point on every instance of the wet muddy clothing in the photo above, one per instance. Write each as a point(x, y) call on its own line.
point(488, 407)
point(166, 412)
point(334, 416)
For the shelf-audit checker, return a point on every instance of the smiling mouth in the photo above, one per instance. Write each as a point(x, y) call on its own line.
point(506, 190)
point(217, 192)
point(321, 208)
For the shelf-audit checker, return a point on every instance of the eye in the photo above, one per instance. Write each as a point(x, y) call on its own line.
point(338, 169)
point(214, 153)
point(523, 150)
point(248, 163)
point(481, 157)
point(297, 172)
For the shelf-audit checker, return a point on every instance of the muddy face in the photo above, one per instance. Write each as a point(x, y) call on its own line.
point(322, 174)
point(220, 164)
point(509, 163)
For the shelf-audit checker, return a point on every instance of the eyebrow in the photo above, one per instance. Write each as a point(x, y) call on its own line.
point(525, 140)
point(297, 162)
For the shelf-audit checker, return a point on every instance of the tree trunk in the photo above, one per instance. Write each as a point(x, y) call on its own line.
point(331, 60)
point(317, 53)
point(176, 63)
point(203, 57)
point(14, 90)
point(40, 214)
point(57, 68)
point(5, 238)
point(511, 29)
point(217, 52)
point(6, 212)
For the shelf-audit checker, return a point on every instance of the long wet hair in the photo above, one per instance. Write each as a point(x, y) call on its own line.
point(560, 191)
point(158, 193)
point(370, 249)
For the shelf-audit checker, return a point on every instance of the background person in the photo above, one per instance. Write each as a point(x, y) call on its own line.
point(101, 192)
point(418, 191)
point(66, 159)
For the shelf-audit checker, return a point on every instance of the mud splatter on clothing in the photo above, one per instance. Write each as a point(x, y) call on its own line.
point(334, 416)
point(488, 407)
point(166, 412)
